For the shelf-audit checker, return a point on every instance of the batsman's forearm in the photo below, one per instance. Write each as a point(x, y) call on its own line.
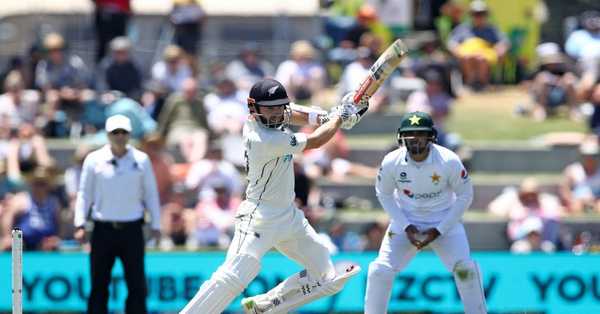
point(323, 133)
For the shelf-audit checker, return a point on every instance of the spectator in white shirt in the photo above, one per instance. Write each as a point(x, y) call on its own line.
point(117, 184)
point(173, 70)
point(302, 75)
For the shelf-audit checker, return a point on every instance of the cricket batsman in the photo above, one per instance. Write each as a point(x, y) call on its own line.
point(425, 189)
point(268, 217)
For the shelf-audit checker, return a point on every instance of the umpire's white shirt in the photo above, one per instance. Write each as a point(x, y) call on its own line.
point(435, 191)
point(117, 189)
point(270, 191)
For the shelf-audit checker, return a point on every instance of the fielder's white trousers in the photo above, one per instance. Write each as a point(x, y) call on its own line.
point(396, 252)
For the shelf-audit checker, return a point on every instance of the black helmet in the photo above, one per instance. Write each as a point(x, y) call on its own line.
point(269, 93)
point(415, 122)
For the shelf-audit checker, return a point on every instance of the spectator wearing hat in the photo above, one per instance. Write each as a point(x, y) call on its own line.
point(119, 72)
point(531, 238)
point(35, 212)
point(302, 75)
point(528, 201)
point(553, 83)
point(173, 69)
point(117, 185)
point(110, 21)
point(183, 121)
point(478, 45)
point(63, 78)
point(60, 69)
point(580, 188)
point(249, 67)
point(356, 71)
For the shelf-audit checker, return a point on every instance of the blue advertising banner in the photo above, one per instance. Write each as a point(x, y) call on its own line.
point(557, 283)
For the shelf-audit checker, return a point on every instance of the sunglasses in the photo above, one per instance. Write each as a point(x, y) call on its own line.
point(117, 132)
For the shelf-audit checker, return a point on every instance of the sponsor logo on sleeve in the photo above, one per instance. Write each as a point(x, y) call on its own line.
point(404, 178)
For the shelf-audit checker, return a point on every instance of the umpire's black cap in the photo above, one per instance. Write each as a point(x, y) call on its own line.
point(269, 92)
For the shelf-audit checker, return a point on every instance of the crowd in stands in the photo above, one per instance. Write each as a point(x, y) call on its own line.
point(189, 120)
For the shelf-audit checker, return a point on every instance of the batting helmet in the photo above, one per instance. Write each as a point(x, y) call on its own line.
point(416, 122)
point(269, 93)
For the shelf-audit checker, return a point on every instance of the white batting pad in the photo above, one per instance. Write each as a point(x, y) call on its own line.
point(296, 291)
point(470, 287)
point(225, 284)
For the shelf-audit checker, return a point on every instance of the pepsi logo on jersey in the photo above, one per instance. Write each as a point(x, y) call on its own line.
point(418, 196)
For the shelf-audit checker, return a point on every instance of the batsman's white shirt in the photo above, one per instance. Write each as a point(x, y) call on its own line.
point(435, 191)
point(270, 192)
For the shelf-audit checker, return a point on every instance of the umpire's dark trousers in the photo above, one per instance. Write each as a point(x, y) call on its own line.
point(125, 241)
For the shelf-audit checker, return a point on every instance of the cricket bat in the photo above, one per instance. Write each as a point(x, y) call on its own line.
point(380, 71)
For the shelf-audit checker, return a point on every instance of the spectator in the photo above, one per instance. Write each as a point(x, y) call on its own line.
point(173, 70)
point(248, 68)
point(478, 45)
point(120, 72)
point(213, 222)
point(153, 145)
point(553, 82)
point(528, 201)
point(213, 166)
point(331, 160)
point(434, 100)
point(60, 70)
point(302, 75)
point(580, 188)
point(187, 17)
point(117, 185)
point(227, 108)
point(28, 149)
point(63, 78)
point(10, 184)
point(367, 22)
point(18, 104)
point(356, 72)
point(531, 241)
point(153, 98)
point(183, 122)
point(111, 18)
point(73, 173)
point(141, 121)
point(35, 212)
point(584, 45)
point(374, 233)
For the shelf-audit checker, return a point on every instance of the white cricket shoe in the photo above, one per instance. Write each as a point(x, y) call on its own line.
point(250, 307)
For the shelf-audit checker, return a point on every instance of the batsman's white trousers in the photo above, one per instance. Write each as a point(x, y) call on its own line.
point(396, 252)
point(290, 234)
point(294, 237)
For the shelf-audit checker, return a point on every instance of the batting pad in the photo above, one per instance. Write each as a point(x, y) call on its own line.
point(225, 284)
point(298, 290)
point(467, 277)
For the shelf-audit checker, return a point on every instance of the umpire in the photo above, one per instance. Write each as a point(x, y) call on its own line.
point(117, 184)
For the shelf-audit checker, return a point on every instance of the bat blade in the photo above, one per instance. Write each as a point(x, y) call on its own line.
point(380, 71)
